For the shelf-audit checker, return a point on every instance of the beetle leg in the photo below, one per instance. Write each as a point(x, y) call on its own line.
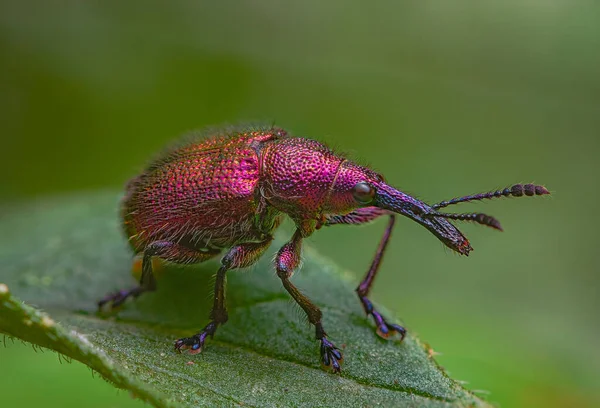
point(361, 216)
point(240, 256)
point(166, 250)
point(384, 329)
point(288, 258)
point(357, 217)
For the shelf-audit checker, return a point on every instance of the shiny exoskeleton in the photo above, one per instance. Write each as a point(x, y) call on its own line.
point(227, 192)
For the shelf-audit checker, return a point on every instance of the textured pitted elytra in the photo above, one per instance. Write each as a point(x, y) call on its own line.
point(201, 192)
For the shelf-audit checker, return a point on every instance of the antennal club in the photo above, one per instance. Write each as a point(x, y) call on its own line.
point(518, 190)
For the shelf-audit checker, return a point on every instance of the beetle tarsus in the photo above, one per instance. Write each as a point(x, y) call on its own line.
point(116, 299)
point(331, 356)
point(195, 344)
point(147, 280)
point(384, 329)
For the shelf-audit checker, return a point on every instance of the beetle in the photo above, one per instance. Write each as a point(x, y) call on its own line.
point(230, 189)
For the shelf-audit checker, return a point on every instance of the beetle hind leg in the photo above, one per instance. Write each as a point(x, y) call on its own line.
point(166, 250)
point(116, 299)
point(218, 316)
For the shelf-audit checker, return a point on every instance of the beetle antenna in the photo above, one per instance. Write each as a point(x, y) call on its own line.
point(517, 190)
point(479, 218)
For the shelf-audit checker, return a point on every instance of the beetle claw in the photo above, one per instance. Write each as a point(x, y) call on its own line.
point(116, 299)
point(195, 344)
point(331, 357)
point(386, 330)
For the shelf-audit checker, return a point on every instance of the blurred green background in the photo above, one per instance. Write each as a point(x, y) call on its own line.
point(443, 98)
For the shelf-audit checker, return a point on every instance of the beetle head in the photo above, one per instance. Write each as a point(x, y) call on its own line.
point(356, 187)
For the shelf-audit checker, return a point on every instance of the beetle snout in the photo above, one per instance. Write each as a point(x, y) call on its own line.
point(448, 234)
point(394, 200)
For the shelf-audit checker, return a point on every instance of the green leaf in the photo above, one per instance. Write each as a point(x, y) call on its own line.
point(60, 255)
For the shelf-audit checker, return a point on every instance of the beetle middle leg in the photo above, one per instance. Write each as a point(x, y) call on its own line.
point(361, 216)
point(166, 250)
point(288, 258)
point(240, 256)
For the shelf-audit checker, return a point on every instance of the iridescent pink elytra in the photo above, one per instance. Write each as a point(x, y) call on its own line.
point(228, 190)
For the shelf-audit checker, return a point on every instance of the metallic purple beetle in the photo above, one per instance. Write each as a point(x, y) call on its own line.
point(231, 190)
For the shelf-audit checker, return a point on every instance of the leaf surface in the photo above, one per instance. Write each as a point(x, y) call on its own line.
point(60, 255)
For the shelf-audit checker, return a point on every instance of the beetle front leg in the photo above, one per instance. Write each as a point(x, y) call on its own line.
point(384, 329)
point(240, 256)
point(358, 217)
point(166, 250)
point(288, 258)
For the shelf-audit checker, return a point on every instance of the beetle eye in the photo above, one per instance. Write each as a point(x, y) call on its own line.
point(363, 193)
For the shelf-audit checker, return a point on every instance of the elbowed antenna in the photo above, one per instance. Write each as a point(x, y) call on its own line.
point(479, 218)
point(517, 190)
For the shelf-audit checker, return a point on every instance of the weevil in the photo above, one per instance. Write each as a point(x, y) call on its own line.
point(227, 192)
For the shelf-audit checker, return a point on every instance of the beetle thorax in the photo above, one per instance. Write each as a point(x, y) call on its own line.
point(297, 176)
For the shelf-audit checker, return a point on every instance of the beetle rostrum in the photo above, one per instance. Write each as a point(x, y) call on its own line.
point(226, 193)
